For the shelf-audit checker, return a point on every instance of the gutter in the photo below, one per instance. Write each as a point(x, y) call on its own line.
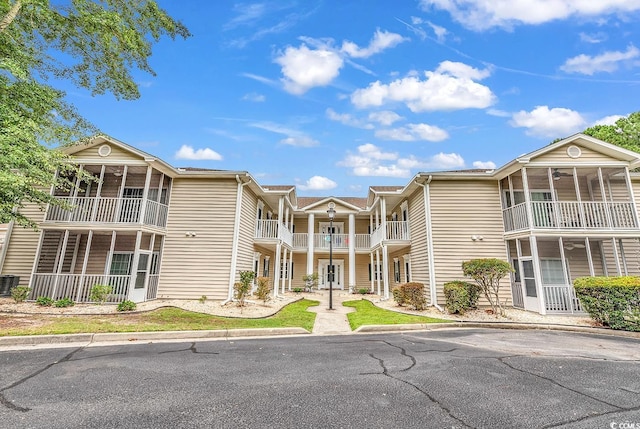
point(432, 266)
point(236, 236)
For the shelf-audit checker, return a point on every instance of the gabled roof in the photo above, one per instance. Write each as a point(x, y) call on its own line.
point(354, 203)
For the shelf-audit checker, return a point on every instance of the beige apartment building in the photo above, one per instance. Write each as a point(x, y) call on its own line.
point(151, 230)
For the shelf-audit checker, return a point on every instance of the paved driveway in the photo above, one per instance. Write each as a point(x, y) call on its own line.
point(442, 379)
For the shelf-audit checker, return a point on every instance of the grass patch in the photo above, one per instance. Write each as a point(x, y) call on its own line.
point(368, 314)
point(163, 319)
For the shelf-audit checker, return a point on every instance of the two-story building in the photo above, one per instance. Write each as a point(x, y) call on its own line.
point(151, 230)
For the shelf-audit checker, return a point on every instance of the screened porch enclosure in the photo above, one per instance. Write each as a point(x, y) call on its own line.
point(70, 263)
point(545, 268)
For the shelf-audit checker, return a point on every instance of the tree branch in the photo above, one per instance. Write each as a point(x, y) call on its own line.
point(11, 15)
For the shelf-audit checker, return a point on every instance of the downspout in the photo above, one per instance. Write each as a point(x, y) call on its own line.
point(432, 266)
point(5, 245)
point(236, 236)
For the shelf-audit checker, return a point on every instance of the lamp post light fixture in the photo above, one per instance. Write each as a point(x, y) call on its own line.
point(332, 213)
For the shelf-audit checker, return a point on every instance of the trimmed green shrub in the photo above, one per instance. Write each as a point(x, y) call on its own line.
point(100, 293)
point(44, 301)
point(461, 296)
point(363, 291)
point(64, 302)
point(611, 301)
point(263, 290)
point(412, 294)
point(487, 273)
point(20, 293)
point(297, 289)
point(126, 305)
point(242, 289)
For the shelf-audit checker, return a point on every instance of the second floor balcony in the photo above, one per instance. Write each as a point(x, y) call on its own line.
point(129, 211)
point(572, 215)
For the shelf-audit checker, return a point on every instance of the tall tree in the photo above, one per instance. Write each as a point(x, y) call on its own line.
point(625, 132)
point(95, 44)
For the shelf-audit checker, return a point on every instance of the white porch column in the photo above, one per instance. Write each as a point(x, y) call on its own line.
point(286, 217)
point(290, 271)
point(60, 263)
point(383, 220)
point(96, 203)
point(533, 242)
point(134, 265)
point(587, 247)
point(145, 195)
point(377, 271)
point(276, 269)
point(372, 272)
point(385, 271)
point(85, 261)
point(527, 197)
point(285, 269)
point(352, 251)
point(310, 244)
point(107, 264)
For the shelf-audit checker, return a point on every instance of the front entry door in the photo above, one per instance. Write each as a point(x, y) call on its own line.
point(139, 288)
point(529, 290)
point(323, 274)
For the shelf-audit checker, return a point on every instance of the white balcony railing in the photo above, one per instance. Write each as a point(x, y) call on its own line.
point(397, 230)
point(320, 241)
point(561, 299)
point(77, 286)
point(272, 229)
point(300, 240)
point(108, 210)
point(570, 215)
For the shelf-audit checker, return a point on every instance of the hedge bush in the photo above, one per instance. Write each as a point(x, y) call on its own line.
point(612, 301)
point(411, 293)
point(461, 296)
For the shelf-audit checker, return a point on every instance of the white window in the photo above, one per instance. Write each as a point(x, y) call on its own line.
point(377, 274)
point(396, 269)
point(407, 268)
point(552, 272)
point(121, 264)
point(265, 267)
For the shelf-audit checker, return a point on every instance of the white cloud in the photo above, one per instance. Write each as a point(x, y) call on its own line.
point(439, 31)
point(305, 68)
point(606, 62)
point(485, 165)
point(381, 40)
point(385, 117)
point(499, 113)
point(370, 160)
point(254, 97)
point(299, 141)
point(544, 122)
point(414, 132)
point(450, 87)
point(598, 37)
point(608, 120)
point(347, 119)
point(187, 152)
point(293, 137)
point(318, 183)
point(484, 14)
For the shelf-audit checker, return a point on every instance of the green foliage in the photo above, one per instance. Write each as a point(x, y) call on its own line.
point(297, 289)
point(94, 45)
point(310, 281)
point(202, 299)
point(363, 291)
point(64, 302)
point(625, 132)
point(243, 287)
point(412, 294)
point(611, 301)
point(487, 273)
point(100, 293)
point(20, 293)
point(126, 305)
point(44, 301)
point(461, 296)
point(368, 314)
point(263, 290)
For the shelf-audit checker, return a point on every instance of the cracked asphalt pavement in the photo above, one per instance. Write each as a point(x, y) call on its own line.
point(458, 378)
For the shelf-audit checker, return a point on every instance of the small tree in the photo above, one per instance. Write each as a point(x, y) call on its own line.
point(487, 273)
point(310, 281)
point(243, 287)
point(263, 290)
point(100, 293)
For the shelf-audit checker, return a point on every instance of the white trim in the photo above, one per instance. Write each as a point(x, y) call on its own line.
point(104, 150)
point(338, 280)
point(236, 237)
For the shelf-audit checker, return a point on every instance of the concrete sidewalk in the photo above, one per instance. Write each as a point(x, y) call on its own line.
point(330, 322)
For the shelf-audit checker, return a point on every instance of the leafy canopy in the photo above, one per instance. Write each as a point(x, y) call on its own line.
point(625, 132)
point(93, 44)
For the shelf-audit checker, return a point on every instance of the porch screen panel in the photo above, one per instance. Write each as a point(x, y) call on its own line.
point(529, 279)
point(552, 273)
point(120, 264)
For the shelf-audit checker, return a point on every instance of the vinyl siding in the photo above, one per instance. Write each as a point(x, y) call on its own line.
point(560, 155)
point(196, 266)
point(23, 244)
point(247, 231)
point(419, 250)
point(460, 209)
point(117, 153)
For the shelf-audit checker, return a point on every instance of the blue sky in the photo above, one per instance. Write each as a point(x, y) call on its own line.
point(335, 96)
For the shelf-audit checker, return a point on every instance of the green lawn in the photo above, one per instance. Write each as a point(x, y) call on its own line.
point(163, 319)
point(368, 314)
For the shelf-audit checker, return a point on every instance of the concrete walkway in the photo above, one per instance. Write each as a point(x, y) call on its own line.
point(331, 321)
